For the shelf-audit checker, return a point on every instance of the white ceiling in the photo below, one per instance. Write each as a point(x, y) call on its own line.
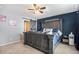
point(51, 10)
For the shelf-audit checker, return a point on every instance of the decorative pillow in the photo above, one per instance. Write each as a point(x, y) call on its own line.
point(59, 32)
point(55, 30)
point(49, 31)
point(45, 30)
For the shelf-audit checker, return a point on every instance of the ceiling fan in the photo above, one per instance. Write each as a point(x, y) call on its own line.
point(37, 9)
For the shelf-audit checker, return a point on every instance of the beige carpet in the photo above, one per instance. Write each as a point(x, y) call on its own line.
point(65, 49)
point(18, 48)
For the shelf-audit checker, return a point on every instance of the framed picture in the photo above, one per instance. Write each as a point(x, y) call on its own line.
point(2, 18)
point(12, 22)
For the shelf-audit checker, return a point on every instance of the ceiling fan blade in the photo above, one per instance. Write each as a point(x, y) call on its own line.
point(30, 9)
point(41, 11)
point(34, 5)
point(43, 8)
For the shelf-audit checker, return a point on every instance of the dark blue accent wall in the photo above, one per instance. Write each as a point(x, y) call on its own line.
point(77, 30)
point(68, 22)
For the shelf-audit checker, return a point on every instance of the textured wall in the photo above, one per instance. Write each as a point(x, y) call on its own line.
point(68, 22)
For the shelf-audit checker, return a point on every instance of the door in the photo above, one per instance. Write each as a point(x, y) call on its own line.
point(26, 26)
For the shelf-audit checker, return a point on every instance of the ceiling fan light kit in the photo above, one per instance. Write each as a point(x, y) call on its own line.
point(37, 9)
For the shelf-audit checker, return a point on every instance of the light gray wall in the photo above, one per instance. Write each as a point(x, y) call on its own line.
point(10, 33)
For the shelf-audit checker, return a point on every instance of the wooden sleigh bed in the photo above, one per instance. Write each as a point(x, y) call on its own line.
point(40, 41)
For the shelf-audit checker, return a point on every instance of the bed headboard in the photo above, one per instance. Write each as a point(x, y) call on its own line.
point(53, 23)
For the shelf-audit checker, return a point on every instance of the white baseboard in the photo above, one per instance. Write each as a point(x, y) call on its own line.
point(9, 43)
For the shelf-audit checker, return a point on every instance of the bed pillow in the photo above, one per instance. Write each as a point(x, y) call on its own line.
point(55, 30)
point(47, 30)
point(50, 31)
point(59, 32)
point(44, 30)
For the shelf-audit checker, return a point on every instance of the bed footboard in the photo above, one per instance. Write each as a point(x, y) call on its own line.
point(40, 41)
